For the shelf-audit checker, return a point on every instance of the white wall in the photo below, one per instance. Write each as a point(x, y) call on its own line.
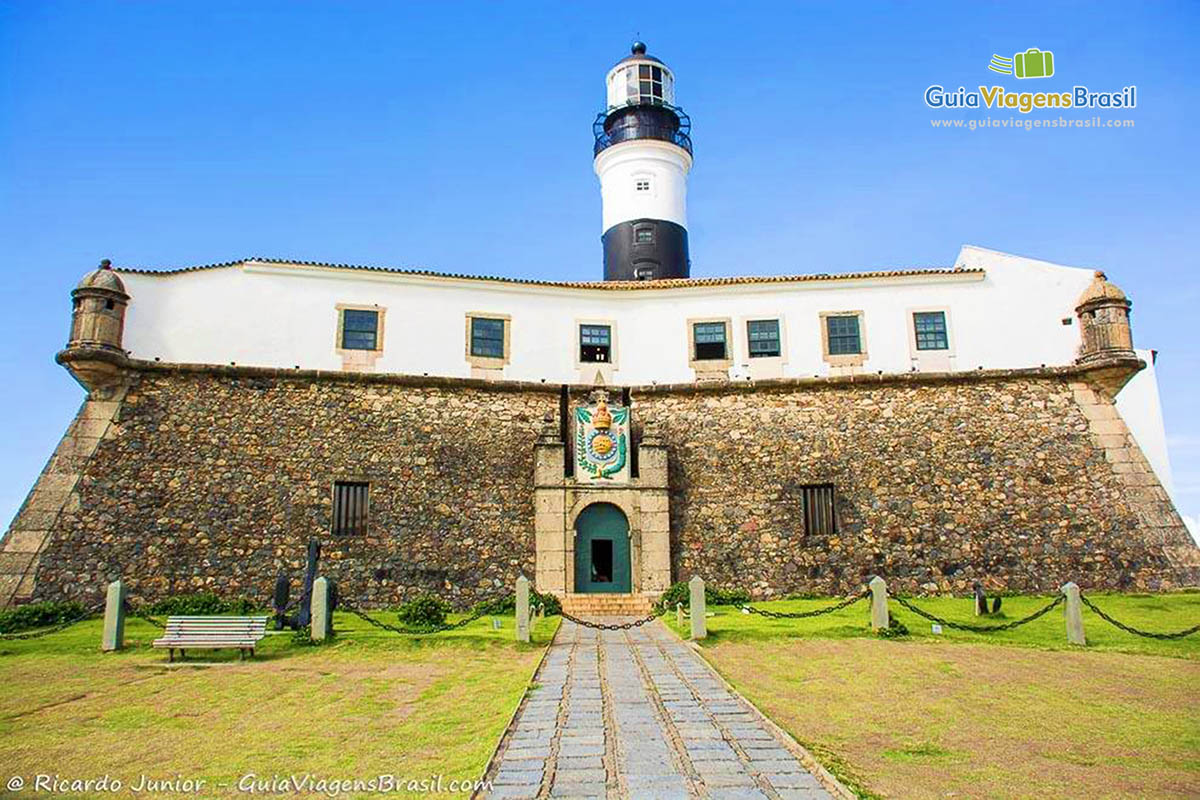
point(1141, 409)
point(620, 166)
point(285, 316)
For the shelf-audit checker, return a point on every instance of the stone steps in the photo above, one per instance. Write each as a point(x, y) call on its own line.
point(608, 605)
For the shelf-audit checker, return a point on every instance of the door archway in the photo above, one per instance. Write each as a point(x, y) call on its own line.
point(602, 559)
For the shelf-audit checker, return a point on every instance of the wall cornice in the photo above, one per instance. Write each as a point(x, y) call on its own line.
point(1107, 376)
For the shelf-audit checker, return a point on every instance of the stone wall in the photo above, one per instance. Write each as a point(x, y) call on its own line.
point(215, 481)
point(215, 478)
point(1000, 478)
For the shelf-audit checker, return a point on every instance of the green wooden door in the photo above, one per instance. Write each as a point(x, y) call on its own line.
point(602, 550)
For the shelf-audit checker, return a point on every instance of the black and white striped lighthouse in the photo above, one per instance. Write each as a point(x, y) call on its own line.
point(642, 156)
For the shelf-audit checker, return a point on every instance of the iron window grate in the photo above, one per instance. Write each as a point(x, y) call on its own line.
point(819, 516)
point(350, 501)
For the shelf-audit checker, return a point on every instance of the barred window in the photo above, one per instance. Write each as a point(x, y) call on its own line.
point(643, 235)
point(487, 337)
point(764, 338)
point(350, 508)
point(360, 329)
point(819, 517)
point(710, 340)
point(930, 327)
point(595, 343)
point(844, 338)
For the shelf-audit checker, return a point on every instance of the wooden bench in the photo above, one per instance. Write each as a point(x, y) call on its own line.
point(212, 633)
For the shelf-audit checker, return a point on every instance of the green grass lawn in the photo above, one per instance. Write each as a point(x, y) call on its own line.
point(1018, 714)
point(1165, 612)
point(369, 703)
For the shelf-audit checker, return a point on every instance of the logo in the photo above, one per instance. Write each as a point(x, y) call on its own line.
point(1033, 63)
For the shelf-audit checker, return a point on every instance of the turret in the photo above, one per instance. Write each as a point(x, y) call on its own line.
point(94, 352)
point(643, 154)
point(1103, 311)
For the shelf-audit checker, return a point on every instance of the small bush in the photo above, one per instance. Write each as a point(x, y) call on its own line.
point(507, 604)
point(424, 611)
point(713, 596)
point(38, 615)
point(202, 604)
point(894, 630)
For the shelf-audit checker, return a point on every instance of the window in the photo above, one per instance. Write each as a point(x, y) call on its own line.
point(763, 335)
point(349, 508)
point(487, 337)
point(643, 235)
point(644, 273)
point(819, 519)
point(843, 334)
point(360, 329)
point(642, 185)
point(931, 330)
point(595, 344)
point(644, 84)
point(710, 340)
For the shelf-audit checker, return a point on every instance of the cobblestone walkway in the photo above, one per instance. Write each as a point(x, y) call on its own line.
point(637, 714)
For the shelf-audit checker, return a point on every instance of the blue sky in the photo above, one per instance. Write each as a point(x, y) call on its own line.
point(458, 137)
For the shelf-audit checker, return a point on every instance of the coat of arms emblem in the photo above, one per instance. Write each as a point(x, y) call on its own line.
point(602, 442)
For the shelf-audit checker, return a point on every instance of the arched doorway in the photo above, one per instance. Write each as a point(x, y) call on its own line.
point(602, 550)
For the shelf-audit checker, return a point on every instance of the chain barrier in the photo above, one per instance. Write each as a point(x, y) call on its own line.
point(1130, 629)
point(962, 626)
point(610, 626)
point(409, 631)
point(61, 626)
point(849, 601)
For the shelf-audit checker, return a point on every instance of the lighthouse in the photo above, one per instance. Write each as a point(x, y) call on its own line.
point(643, 154)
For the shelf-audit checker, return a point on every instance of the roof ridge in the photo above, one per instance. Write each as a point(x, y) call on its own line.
point(727, 280)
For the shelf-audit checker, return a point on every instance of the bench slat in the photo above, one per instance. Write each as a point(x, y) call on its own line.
point(212, 633)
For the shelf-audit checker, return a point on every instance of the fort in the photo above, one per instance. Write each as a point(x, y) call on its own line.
point(987, 420)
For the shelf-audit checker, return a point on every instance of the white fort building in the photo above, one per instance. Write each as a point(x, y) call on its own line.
point(653, 335)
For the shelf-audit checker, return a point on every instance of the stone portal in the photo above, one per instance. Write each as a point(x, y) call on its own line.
point(602, 528)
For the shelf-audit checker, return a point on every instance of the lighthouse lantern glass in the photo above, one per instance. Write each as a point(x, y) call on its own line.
point(642, 84)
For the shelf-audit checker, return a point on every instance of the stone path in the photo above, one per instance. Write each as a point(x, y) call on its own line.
point(637, 714)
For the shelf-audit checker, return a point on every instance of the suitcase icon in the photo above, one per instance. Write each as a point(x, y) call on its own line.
point(1034, 63)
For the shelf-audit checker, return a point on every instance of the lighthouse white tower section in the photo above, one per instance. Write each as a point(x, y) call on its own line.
point(643, 154)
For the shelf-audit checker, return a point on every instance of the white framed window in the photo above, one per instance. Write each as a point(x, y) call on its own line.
point(641, 185)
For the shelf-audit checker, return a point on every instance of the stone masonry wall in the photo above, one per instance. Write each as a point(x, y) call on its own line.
point(216, 482)
point(215, 479)
point(937, 484)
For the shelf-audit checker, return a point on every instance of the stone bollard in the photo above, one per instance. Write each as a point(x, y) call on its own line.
point(321, 615)
point(699, 623)
point(879, 603)
point(679, 614)
point(522, 609)
point(1074, 614)
point(113, 637)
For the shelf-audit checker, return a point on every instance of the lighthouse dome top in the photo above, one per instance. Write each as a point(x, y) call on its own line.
point(640, 79)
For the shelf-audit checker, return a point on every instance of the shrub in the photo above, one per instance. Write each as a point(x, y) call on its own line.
point(38, 615)
point(424, 611)
point(713, 596)
point(202, 604)
point(895, 629)
point(507, 604)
